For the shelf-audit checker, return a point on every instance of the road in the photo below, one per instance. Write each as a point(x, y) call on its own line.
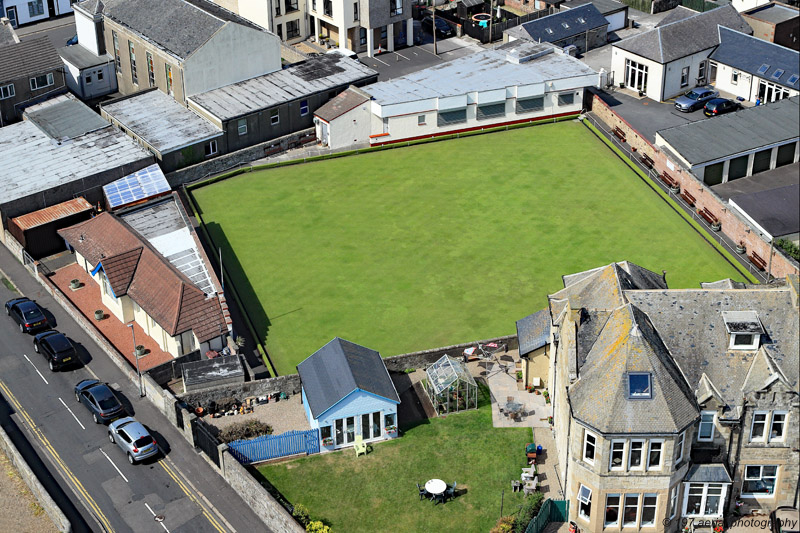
point(179, 488)
point(58, 30)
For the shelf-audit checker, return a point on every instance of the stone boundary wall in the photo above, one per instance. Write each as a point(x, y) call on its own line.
point(401, 363)
point(733, 226)
point(288, 384)
point(39, 492)
point(12, 244)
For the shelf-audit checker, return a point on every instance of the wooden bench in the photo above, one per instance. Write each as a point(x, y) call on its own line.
point(274, 149)
point(618, 133)
point(757, 260)
point(648, 161)
point(709, 216)
point(308, 139)
point(669, 180)
point(688, 197)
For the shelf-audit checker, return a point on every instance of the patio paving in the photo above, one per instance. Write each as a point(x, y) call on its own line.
point(501, 378)
point(87, 299)
point(285, 415)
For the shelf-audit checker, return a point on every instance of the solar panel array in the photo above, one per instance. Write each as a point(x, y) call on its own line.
point(145, 183)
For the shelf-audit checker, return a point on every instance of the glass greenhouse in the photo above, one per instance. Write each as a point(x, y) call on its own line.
point(450, 386)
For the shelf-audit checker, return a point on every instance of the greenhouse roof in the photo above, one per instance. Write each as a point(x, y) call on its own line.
point(447, 371)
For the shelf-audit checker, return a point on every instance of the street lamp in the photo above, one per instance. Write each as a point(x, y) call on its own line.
point(136, 356)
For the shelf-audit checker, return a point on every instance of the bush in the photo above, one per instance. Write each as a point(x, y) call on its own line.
point(318, 527)
point(301, 513)
point(245, 430)
point(789, 247)
point(530, 508)
point(504, 525)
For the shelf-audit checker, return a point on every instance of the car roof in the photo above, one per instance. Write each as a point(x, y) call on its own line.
point(58, 341)
point(27, 305)
point(132, 427)
point(100, 391)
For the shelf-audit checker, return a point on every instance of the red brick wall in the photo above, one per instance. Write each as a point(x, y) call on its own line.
point(732, 226)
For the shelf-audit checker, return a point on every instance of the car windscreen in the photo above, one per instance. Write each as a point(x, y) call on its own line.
point(141, 442)
point(692, 95)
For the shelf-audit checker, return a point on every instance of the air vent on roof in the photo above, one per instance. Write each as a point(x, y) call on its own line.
point(527, 52)
point(793, 79)
point(565, 24)
point(581, 20)
point(763, 69)
point(777, 74)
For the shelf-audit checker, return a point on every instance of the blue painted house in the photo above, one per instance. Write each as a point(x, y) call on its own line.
point(347, 392)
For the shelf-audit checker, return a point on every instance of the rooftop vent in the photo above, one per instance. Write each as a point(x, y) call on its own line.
point(527, 52)
point(744, 329)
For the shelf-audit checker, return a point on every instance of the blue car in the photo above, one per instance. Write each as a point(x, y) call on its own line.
point(100, 400)
point(26, 314)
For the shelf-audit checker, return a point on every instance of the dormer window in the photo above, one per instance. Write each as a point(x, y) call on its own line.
point(744, 329)
point(639, 386)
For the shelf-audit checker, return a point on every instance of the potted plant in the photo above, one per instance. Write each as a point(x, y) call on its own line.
point(622, 85)
point(550, 420)
point(741, 248)
point(327, 441)
point(716, 226)
point(74, 284)
point(139, 350)
point(99, 314)
point(675, 190)
point(391, 430)
point(519, 375)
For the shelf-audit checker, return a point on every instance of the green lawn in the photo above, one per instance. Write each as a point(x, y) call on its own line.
point(378, 492)
point(439, 243)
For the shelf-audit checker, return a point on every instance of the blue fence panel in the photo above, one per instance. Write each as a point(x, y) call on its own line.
point(273, 446)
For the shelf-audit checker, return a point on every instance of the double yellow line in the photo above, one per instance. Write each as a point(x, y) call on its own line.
point(79, 488)
point(171, 473)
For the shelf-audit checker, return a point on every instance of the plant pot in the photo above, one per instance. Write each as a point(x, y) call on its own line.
point(74, 284)
point(674, 190)
point(99, 314)
point(716, 227)
point(740, 249)
point(139, 350)
point(622, 85)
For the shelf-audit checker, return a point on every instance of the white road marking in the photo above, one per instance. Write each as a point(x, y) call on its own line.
point(91, 372)
point(154, 515)
point(379, 61)
point(37, 370)
point(70, 412)
point(115, 466)
point(404, 57)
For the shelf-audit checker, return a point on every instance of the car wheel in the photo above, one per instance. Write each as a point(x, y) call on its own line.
point(131, 460)
point(77, 397)
point(22, 328)
point(8, 311)
point(52, 367)
point(111, 437)
point(36, 347)
point(96, 418)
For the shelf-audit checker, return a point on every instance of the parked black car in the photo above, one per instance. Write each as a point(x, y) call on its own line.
point(27, 314)
point(443, 29)
point(56, 348)
point(720, 106)
point(100, 400)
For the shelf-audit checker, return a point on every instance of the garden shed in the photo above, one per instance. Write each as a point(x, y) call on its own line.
point(450, 386)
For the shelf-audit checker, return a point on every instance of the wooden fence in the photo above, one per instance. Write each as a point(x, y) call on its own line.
point(274, 446)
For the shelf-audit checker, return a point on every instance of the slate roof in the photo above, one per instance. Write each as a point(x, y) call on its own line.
point(136, 269)
point(551, 28)
point(178, 26)
point(533, 331)
point(161, 121)
point(606, 7)
point(707, 473)
point(65, 117)
point(340, 368)
point(686, 36)
point(7, 34)
point(748, 54)
point(775, 210)
point(734, 133)
point(341, 104)
point(28, 58)
point(629, 343)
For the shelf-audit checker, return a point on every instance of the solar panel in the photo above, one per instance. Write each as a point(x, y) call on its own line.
point(140, 185)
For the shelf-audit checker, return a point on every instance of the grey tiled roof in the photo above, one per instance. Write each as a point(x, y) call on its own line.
point(341, 104)
point(7, 34)
point(684, 37)
point(602, 288)
point(599, 399)
point(533, 331)
point(339, 368)
point(537, 30)
point(28, 58)
point(746, 53)
point(708, 473)
point(606, 7)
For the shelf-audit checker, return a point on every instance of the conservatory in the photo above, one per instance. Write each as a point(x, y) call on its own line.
point(450, 386)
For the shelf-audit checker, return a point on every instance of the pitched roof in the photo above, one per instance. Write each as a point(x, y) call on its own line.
point(339, 368)
point(28, 58)
point(562, 25)
point(7, 33)
point(629, 343)
point(135, 269)
point(766, 60)
point(341, 104)
point(606, 7)
point(685, 36)
point(533, 331)
point(745, 130)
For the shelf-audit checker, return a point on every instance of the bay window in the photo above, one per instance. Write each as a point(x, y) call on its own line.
point(654, 455)
point(679, 444)
point(635, 454)
point(704, 499)
point(649, 502)
point(617, 455)
point(630, 513)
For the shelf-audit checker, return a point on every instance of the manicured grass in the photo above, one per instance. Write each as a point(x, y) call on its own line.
point(378, 492)
point(440, 243)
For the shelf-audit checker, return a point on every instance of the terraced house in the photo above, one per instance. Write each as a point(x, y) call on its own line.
point(673, 406)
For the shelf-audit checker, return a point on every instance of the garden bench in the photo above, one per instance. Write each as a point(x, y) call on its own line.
point(308, 139)
point(709, 216)
point(757, 260)
point(669, 180)
point(648, 161)
point(688, 197)
point(274, 149)
point(618, 133)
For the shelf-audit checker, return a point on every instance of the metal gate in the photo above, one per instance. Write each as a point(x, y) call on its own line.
point(30, 263)
point(273, 446)
point(205, 440)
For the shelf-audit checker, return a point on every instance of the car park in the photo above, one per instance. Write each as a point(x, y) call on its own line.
point(100, 400)
point(720, 106)
point(56, 348)
point(695, 99)
point(133, 439)
point(26, 314)
point(443, 29)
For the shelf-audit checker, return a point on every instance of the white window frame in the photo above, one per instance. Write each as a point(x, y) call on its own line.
point(785, 415)
point(585, 499)
point(734, 77)
point(48, 81)
point(241, 126)
point(638, 509)
point(660, 443)
point(756, 495)
point(673, 502)
point(642, 456)
point(618, 507)
point(213, 148)
point(646, 495)
point(7, 91)
point(621, 467)
point(755, 339)
point(685, 76)
point(680, 444)
point(713, 423)
point(274, 119)
point(765, 423)
point(704, 498)
point(586, 435)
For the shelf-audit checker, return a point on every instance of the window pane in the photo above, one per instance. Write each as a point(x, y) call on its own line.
point(448, 118)
point(639, 385)
point(365, 427)
point(612, 509)
point(325, 432)
point(376, 424)
point(351, 429)
point(649, 509)
point(528, 105)
point(617, 450)
point(636, 454)
point(631, 509)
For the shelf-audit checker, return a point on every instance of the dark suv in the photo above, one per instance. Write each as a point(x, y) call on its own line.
point(27, 314)
point(56, 348)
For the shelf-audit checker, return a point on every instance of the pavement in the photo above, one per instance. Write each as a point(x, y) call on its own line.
point(86, 474)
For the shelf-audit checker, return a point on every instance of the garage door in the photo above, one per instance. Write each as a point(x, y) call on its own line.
point(616, 21)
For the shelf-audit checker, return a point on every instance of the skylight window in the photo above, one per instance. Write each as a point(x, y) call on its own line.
point(777, 74)
point(763, 69)
point(639, 386)
point(548, 30)
point(793, 79)
point(565, 24)
point(581, 20)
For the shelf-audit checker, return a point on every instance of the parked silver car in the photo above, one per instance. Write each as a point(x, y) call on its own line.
point(695, 99)
point(133, 439)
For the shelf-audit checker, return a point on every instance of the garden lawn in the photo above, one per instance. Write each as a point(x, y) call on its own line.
point(378, 492)
point(440, 243)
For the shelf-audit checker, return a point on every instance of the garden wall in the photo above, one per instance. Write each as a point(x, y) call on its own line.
point(289, 384)
point(733, 226)
point(400, 363)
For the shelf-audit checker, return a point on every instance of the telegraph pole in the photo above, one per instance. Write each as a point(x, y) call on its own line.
point(435, 51)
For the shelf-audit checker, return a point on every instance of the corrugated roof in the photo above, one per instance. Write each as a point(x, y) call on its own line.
point(160, 121)
point(533, 331)
point(563, 25)
point(52, 213)
point(314, 75)
point(28, 58)
point(65, 117)
point(766, 60)
point(341, 104)
point(339, 368)
point(735, 133)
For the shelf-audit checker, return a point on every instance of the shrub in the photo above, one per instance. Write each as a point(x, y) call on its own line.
point(530, 508)
point(318, 527)
point(504, 525)
point(301, 513)
point(245, 430)
point(789, 247)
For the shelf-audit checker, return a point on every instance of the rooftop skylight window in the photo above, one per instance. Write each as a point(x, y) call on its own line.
point(763, 69)
point(639, 386)
point(565, 25)
point(581, 20)
point(777, 74)
point(793, 79)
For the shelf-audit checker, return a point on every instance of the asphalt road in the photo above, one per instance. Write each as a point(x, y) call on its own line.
point(58, 30)
point(107, 493)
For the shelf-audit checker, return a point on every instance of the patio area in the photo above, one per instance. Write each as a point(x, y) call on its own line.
point(88, 299)
point(284, 415)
